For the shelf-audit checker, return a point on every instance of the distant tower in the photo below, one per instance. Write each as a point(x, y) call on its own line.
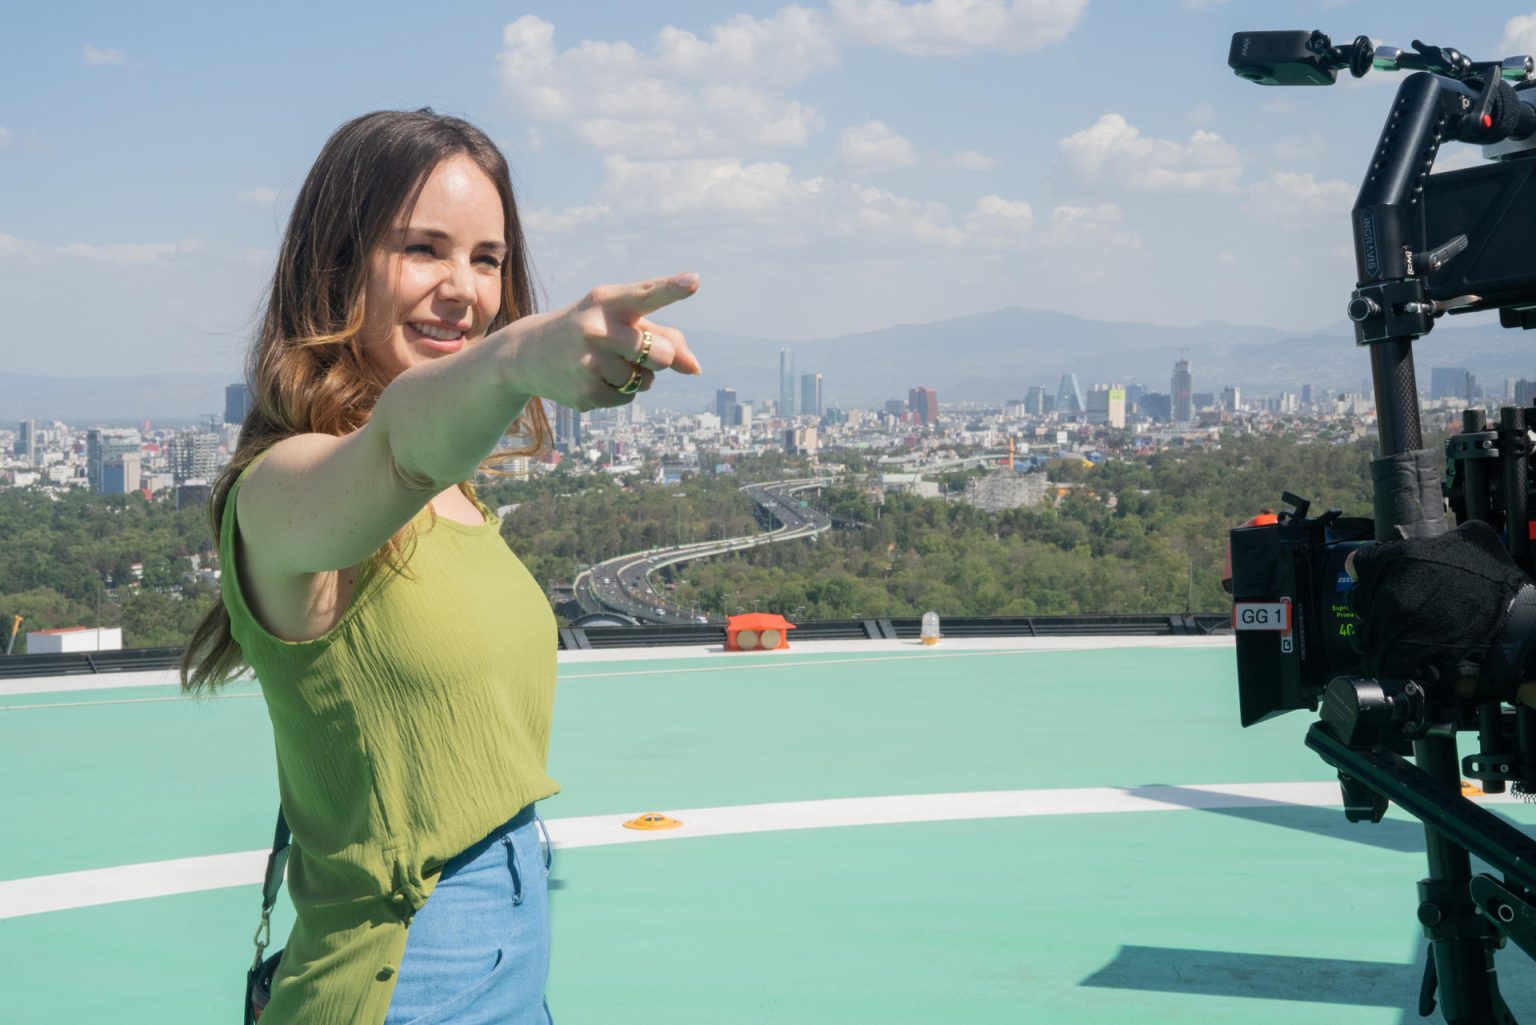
point(112, 460)
point(1069, 396)
point(725, 406)
point(567, 429)
point(26, 442)
point(194, 456)
point(1183, 393)
point(237, 402)
point(786, 383)
point(925, 403)
point(810, 395)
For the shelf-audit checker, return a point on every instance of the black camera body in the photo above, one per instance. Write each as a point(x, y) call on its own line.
point(1290, 608)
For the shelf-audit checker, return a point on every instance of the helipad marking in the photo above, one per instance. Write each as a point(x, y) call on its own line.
point(41, 894)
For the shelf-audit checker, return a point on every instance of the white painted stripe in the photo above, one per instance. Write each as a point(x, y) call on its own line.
point(875, 651)
point(42, 894)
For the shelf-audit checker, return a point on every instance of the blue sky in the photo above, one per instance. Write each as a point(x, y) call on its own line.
point(827, 168)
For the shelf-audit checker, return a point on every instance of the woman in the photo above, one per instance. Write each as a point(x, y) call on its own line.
point(406, 657)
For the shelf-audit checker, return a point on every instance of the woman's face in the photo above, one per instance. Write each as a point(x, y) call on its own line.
point(434, 282)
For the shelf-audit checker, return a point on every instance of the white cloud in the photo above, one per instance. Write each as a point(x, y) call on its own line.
point(872, 146)
point(1278, 105)
point(686, 188)
point(5, 136)
point(998, 223)
point(684, 97)
point(29, 251)
point(764, 207)
point(1290, 200)
point(261, 195)
point(953, 27)
point(970, 160)
point(1112, 156)
point(549, 222)
point(1519, 35)
point(97, 57)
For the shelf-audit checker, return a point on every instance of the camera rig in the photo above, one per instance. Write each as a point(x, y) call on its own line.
point(1426, 245)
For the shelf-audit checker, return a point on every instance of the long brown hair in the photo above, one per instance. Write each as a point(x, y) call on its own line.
point(306, 371)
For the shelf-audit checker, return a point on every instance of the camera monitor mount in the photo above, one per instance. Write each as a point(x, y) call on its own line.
point(1426, 245)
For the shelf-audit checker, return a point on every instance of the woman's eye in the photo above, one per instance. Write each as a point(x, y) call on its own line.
point(420, 248)
point(491, 261)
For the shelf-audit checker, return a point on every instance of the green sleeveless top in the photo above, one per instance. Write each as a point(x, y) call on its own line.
point(407, 732)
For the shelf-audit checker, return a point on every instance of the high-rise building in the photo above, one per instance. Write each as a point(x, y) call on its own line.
point(237, 402)
point(1034, 401)
point(1525, 393)
point(1157, 405)
point(725, 406)
point(567, 429)
point(1183, 393)
point(786, 383)
point(1232, 398)
point(26, 442)
point(194, 456)
point(810, 395)
point(1069, 396)
point(106, 448)
point(1106, 405)
point(1306, 394)
point(925, 403)
point(122, 476)
point(1449, 383)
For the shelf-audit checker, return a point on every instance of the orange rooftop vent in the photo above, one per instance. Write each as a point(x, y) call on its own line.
point(757, 631)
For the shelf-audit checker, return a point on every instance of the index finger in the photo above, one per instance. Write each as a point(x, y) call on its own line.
point(637, 300)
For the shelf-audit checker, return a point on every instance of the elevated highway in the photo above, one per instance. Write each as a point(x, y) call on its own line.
point(623, 584)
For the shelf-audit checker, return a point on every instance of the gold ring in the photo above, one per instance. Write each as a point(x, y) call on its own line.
point(632, 385)
point(645, 349)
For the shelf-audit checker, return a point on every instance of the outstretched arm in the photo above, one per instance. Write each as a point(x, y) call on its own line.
point(319, 502)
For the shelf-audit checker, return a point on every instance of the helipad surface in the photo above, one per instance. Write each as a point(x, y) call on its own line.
point(1069, 831)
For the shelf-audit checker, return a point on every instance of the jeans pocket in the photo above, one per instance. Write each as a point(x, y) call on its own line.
point(460, 1004)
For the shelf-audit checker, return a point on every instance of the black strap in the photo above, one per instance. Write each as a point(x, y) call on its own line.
point(277, 862)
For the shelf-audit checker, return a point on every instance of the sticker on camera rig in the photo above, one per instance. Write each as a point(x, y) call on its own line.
point(1253, 615)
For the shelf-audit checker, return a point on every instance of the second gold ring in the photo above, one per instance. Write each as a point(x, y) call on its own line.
point(632, 385)
point(645, 349)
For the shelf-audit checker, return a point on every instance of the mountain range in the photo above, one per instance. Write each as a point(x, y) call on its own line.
point(987, 357)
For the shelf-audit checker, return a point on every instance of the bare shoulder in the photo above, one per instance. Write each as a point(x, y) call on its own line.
point(318, 502)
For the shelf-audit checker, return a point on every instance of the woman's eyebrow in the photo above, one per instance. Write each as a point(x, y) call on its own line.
point(443, 236)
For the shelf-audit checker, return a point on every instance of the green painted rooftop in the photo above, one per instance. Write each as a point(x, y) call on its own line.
point(987, 831)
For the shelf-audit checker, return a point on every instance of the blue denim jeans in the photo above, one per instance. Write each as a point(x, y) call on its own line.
point(477, 952)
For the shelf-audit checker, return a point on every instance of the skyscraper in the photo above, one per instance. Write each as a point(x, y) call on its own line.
point(925, 403)
point(810, 395)
point(105, 449)
point(194, 456)
point(237, 402)
point(725, 406)
point(1183, 393)
point(1069, 396)
point(786, 383)
point(1450, 383)
point(567, 429)
point(1034, 401)
point(26, 442)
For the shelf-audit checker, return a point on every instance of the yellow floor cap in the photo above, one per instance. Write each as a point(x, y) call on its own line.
point(652, 820)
